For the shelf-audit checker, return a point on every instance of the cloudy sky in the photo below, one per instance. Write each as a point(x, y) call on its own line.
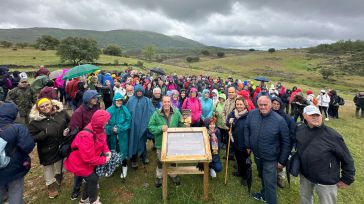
point(256, 24)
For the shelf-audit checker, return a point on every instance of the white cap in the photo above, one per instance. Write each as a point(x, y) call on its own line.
point(311, 110)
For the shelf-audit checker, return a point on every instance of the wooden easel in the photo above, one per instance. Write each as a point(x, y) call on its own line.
point(185, 159)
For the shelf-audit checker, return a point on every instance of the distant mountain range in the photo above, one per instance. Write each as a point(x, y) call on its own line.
point(127, 39)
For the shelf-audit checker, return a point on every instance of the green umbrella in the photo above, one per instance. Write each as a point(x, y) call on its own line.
point(80, 70)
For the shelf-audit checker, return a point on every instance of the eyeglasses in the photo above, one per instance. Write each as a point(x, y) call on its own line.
point(44, 106)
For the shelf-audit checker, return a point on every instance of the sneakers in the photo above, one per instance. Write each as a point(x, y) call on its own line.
point(53, 190)
point(327, 119)
point(158, 182)
point(176, 180)
point(212, 173)
point(124, 172)
point(97, 201)
point(258, 196)
point(85, 201)
point(146, 161)
point(75, 194)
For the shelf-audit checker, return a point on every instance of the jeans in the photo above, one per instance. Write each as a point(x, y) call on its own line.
point(327, 194)
point(267, 171)
point(14, 190)
point(91, 187)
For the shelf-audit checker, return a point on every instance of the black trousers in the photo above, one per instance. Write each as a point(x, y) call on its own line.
point(91, 187)
point(241, 157)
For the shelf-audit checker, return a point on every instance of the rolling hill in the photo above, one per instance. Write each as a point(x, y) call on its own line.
point(128, 39)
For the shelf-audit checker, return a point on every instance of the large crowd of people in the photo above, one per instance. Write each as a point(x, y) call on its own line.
point(120, 111)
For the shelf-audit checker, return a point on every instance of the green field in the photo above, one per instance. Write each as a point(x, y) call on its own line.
point(289, 66)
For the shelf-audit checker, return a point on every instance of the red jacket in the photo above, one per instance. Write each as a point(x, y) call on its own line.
point(88, 150)
point(71, 88)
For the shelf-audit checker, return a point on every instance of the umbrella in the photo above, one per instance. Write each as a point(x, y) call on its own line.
point(249, 175)
point(158, 70)
point(108, 168)
point(261, 78)
point(55, 74)
point(80, 70)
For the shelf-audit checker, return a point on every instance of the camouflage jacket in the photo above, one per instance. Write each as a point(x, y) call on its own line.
point(24, 98)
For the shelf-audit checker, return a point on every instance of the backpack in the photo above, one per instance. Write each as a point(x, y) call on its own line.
point(340, 101)
point(65, 148)
point(4, 159)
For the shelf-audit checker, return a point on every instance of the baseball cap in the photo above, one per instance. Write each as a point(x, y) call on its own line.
point(311, 110)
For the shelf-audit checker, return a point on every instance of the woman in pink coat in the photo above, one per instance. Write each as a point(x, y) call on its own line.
point(194, 104)
point(90, 150)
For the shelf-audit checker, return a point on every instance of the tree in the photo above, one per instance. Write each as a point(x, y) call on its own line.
point(220, 54)
point(271, 50)
point(192, 59)
point(6, 44)
point(326, 73)
point(205, 52)
point(77, 50)
point(21, 45)
point(148, 52)
point(46, 42)
point(113, 50)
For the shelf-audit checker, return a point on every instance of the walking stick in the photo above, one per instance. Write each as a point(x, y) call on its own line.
point(227, 154)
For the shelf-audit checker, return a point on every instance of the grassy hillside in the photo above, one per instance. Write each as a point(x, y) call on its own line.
point(293, 67)
point(128, 39)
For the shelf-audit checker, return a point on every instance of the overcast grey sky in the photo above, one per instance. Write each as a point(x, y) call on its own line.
point(226, 23)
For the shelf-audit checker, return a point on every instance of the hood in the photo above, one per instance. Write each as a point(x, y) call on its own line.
point(98, 120)
point(215, 91)
point(277, 99)
point(222, 95)
point(244, 94)
point(204, 92)
point(88, 95)
point(35, 114)
point(117, 96)
point(193, 90)
point(8, 112)
point(137, 88)
point(48, 92)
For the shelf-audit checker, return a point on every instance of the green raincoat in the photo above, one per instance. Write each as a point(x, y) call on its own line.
point(120, 117)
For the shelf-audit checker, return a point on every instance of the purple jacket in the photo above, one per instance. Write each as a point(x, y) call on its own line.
point(82, 116)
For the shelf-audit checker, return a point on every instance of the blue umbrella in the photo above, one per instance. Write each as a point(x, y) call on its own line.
point(262, 78)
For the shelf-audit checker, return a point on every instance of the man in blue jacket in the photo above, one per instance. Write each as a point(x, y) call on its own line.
point(267, 135)
point(19, 143)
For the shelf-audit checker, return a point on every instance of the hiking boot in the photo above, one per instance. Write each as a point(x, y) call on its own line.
point(280, 182)
point(158, 182)
point(134, 165)
point(258, 196)
point(176, 180)
point(75, 194)
point(53, 190)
